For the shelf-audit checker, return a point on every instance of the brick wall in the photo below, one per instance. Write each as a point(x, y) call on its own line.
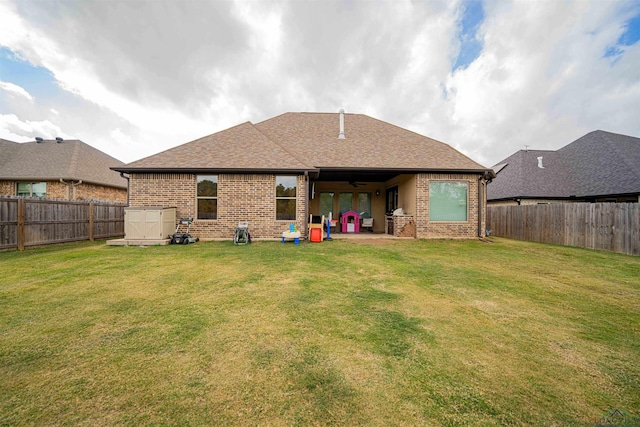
point(92, 191)
point(404, 226)
point(7, 188)
point(58, 190)
point(241, 197)
point(440, 229)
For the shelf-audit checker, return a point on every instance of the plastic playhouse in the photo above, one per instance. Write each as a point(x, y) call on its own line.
point(350, 222)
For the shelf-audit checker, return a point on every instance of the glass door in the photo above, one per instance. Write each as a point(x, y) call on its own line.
point(326, 204)
point(345, 202)
point(364, 205)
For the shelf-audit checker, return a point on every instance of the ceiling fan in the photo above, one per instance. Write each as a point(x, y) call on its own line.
point(355, 184)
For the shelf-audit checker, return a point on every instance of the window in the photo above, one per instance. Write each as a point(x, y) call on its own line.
point(31, 189)
point(207, 195)
point(286, 188)
point(448, 201)
point(364, 204)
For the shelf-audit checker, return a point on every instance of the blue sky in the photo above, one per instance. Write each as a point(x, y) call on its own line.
point(629, 37)
point(470, 43)
point(35, 80)
point(132, 79)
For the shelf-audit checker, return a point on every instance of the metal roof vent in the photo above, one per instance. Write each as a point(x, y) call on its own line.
point(540, 162)
point(39, 140)
point(341, 135)
point(59, 140)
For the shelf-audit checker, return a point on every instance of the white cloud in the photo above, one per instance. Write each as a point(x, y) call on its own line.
point(541, 79)
point(14, 129)
point(13, 89)
point(148, 76)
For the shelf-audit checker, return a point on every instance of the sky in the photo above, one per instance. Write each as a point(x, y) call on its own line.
point(133, 78)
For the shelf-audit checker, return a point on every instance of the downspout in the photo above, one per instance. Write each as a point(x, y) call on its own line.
point(67, 184)
point(74, 187)
point(127, 178)
point(482, 184)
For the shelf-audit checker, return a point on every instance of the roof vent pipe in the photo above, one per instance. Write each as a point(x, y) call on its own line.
point(39, 140)
point(341, 136)
point(540, 162)
point(59, 140)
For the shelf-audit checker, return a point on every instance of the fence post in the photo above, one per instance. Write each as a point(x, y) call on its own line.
point(21, 224)
point(91, 222)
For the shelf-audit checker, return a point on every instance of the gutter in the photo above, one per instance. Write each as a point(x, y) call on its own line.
point(213, 170)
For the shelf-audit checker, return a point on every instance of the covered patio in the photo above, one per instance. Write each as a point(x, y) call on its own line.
point(371, 196)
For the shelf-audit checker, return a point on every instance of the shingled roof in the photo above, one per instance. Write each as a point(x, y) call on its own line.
point(309, 142)
point(52, 160)
point(240, 147)
point(598, 164)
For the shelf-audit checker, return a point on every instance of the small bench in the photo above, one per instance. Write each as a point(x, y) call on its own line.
point(291, 235)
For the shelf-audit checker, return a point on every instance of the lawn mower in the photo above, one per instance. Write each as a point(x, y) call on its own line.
point(183, 238)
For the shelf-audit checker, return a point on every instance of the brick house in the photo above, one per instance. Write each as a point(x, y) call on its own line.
point(284, 169)
point(597, 167)
point(59, 169)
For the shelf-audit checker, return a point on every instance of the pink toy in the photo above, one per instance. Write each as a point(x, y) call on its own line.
point(350, 222)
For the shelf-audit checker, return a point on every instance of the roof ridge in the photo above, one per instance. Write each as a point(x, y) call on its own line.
point(428, 137)
point(616, 148)
point(188, 142)
point(280, 146)
point(73, 162)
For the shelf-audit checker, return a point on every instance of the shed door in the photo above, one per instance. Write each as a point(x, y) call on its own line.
point(153, 224)
point(134, 224)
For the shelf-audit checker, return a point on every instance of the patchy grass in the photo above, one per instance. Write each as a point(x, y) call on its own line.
point(337, 333)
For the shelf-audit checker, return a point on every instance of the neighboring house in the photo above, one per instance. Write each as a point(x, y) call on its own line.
point(598, 167)
point(59, 169)
point(284, 169)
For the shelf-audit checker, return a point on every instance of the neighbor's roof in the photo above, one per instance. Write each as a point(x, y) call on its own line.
point(52, 160)
point(309, 141)
point(598, 164)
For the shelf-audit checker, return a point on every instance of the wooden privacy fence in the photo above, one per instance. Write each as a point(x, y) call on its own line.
point(31, 222)
point(611, 227)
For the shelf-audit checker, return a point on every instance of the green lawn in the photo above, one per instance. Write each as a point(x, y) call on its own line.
point(336, 333)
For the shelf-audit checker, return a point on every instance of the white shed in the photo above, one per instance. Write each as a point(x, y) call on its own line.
point(149, 223)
